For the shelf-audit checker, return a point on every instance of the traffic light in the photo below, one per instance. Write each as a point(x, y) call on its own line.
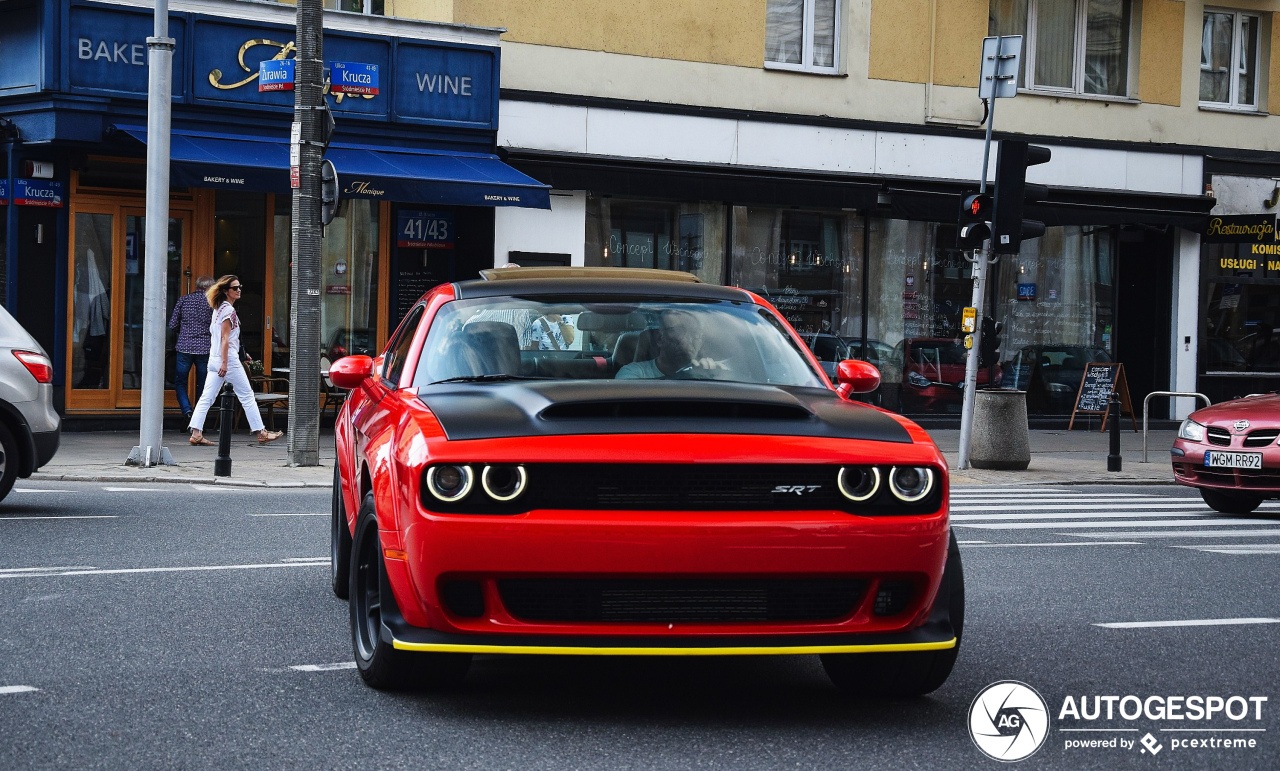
point(989, 345)
point(1008, 228)
point(975, 213)
point(328, 192)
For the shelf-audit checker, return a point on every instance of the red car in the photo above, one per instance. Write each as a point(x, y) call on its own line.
point(933, 374)
point(623, 462)
point(1229, 452)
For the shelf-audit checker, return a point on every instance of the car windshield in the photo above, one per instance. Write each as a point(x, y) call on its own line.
point(502, 338)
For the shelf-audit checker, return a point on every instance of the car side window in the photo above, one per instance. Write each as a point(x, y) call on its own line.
point(399, 349)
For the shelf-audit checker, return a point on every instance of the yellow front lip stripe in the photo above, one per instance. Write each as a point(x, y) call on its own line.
point(746, 650)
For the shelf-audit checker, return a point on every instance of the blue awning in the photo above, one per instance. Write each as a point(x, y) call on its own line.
point(206, 159)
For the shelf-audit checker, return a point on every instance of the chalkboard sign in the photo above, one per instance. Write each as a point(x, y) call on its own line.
point(1094, 396)
point(417, 272)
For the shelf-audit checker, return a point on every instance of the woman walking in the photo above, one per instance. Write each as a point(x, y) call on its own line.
point(224, 363)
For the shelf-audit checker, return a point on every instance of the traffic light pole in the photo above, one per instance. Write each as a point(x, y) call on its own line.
point(304, 323)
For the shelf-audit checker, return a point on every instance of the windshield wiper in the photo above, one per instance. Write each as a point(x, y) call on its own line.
point(486, 379)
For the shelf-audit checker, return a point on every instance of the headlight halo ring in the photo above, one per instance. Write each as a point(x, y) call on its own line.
point(924, 492)
point(468, 482)
point(875, 488)
point(521, 483)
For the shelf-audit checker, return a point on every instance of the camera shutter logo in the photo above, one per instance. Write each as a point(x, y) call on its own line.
point(1008, 721)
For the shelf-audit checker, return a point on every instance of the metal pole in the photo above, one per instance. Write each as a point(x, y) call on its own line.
point(979, 298)
point(226, 416)
point(304, 338)
point(150, 450)
point(1114, 461)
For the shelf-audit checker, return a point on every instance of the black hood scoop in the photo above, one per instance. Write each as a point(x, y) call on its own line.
point(567, 407)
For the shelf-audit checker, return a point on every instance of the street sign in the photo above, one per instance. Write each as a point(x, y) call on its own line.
point(37, 192)
point(353, 78)
point(275, 75)
point(295, 154)
point(968, 319)
point(1001, 63)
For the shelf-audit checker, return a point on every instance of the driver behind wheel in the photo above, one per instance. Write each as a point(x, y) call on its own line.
point(678, 339)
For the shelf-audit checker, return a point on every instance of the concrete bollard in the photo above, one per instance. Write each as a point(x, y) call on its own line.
point(222, 463)
point(1001, 438)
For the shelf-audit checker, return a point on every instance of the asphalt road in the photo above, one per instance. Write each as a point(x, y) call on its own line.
point(197, 668)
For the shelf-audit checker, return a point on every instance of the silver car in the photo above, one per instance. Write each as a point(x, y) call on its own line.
point(29, 426)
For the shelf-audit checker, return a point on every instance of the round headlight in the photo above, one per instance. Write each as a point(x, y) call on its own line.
point(449, 483)
point(910, 483)
point(503, 483)
point(858, 483)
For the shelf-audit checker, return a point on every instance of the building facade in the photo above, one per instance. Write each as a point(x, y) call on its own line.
point(418, 178)
point(816, 151)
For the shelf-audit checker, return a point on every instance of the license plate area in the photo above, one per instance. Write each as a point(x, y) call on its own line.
point(1246, 460)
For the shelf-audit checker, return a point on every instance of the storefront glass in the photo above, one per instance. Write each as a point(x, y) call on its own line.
point(1239, 347)
point(654, 234)
point(135, 250)
point(240, 248)
point(91, 302)
point(349, 271)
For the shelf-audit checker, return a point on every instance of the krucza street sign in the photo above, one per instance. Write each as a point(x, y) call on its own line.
point(353, 78)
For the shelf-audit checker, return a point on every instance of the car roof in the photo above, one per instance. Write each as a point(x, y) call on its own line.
point(618, 285)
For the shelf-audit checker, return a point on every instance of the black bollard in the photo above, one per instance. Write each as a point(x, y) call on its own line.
point(1114, 461)
point(222, 464)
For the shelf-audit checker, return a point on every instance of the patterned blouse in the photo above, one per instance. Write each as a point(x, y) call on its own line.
point(191, 317)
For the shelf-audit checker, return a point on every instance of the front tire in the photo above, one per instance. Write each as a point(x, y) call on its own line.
point(1230, 503)
point(339, 539)
point(380, 665)
point(906, 674)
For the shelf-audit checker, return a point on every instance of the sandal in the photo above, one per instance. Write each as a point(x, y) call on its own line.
point(201, 442)
point(269, 436)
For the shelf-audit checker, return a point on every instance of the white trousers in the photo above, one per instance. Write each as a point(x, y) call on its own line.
point(213, 385)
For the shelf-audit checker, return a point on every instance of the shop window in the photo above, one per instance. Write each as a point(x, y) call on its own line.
point(240, 248)
point(1229, 60)
point(1069, 46)
point(656, 234)
point(349, 282)
point(802, 35)
point(1240, 333)
point(91, 302)
point(4, 260)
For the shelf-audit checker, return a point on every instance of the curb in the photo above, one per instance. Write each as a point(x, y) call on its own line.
point(223, 481)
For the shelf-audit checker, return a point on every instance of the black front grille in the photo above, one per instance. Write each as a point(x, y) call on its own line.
point(679, 600)
point(1219, 436)
point(687, 487)
point(1263, 437)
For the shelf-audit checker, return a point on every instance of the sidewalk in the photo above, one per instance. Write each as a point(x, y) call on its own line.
point(1057, 458)
point(98, 456)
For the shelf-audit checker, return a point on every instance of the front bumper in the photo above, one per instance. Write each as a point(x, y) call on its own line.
point(1189, 469)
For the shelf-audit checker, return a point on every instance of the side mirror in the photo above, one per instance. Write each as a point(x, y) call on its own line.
point(349, 372)
point(857, 377)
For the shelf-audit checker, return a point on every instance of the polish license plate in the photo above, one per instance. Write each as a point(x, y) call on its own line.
point(1214, 459)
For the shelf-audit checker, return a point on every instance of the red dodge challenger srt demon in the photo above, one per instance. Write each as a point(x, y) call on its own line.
point(608, 461)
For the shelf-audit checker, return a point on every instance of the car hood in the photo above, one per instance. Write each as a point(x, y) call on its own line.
point(568, 407)
point(1260, 411)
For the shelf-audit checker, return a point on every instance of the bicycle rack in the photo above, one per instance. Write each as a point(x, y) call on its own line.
point(1147, 401)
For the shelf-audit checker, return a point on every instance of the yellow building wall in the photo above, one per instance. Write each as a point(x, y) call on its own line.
point(1273, 74)
point(713, 31)
point(428, 10)
point(958, 32)
point(899, 40)
point(1160, 51)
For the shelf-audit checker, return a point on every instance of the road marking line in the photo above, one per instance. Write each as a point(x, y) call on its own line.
point(324, 667)
point(187, 569)
point(1177, 534)
point(1101, 506)
point(1161, 523)
point(34, 490)
point(17, 689)
point(1233, 550)
point(1194, 622)
point(296, 514)
point(1202, 730)
point(964, 543)
point(1072, 496)
point(1070, 515)
point(132, 489)
point(57, 567)
point(984, 545)
point(305, 559)
point(1134, 730)
point(70, 516)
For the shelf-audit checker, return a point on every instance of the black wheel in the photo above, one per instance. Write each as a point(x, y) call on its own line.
point(9, 460)
point(339, 540)
point(380, 665)
point(909, 673)
point(1229, 503)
